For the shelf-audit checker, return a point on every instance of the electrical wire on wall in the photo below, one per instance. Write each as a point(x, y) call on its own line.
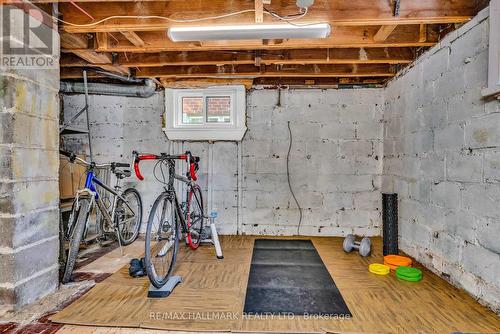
point(288, 177)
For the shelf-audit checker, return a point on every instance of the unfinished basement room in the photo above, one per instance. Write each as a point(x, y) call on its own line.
point(249, 166)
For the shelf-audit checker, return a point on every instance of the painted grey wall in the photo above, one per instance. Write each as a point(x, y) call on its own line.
point(29, 191)
point(442, 156)
point(335, 163)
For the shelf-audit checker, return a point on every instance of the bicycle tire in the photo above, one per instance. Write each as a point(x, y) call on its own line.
point(75, 238)
point(138, 221)
point(195, 192)
point(159, 280)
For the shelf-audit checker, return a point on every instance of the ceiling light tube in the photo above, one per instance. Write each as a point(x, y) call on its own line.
point(247, 32)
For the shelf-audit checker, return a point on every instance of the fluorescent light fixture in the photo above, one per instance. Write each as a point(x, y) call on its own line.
point(246, 32)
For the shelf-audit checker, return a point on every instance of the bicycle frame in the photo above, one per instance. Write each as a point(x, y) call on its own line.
point(170, 188)
point(91, 190)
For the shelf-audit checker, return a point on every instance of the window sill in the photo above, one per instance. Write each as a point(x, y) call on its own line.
point(491, 92)
point(205, 134)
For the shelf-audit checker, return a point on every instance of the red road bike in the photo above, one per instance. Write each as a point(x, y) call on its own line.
point(169, 219)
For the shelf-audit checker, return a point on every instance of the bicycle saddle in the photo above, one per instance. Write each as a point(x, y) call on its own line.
point(122, 173)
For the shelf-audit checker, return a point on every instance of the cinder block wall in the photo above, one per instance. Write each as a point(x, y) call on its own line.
point(442, 156)
point(335, 163)
point(29, 191)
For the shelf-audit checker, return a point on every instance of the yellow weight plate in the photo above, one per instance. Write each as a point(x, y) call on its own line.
point(379, 269)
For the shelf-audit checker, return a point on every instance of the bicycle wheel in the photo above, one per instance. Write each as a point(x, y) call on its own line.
point(162, 240)
point(128, 221)
point(194, 217)
point(75, 236)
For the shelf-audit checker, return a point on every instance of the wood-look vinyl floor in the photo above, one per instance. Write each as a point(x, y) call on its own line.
point(213, 292)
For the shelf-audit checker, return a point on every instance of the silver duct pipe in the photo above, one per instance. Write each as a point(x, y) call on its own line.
point(146, 90)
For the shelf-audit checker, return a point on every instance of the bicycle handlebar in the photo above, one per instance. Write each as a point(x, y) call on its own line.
point(192, 160)
point(73, 157)
point(121, 164)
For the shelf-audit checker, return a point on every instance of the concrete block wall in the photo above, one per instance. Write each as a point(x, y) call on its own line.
point(29, 191)
point(335, 163)
point(441, 155)
point(119, 125)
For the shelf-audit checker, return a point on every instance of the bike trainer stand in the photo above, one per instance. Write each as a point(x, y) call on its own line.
point(169, 287)
point(214, 240)
point(165, 290)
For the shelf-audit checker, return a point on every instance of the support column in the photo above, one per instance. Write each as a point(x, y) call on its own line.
point(29, 191)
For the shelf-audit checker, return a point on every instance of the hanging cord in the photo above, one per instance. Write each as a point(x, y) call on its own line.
point(288, 177)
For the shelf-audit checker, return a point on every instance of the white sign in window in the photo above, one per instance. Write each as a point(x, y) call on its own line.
point(215, 113)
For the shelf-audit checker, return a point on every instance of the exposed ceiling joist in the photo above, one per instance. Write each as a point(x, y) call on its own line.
point(94, 57)
point(133, 38)
point(154, 25)
point(250, 71)
point(301, 56)
point(74, 41)
point(259, 11)
point(335, 12)
point(384, 32)
point(367, 45)
point(423, 33)
point(202, 83)
point(343, 37)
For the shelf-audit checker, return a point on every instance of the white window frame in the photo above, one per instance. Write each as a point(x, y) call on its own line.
point(494, 51)
point(175, 129)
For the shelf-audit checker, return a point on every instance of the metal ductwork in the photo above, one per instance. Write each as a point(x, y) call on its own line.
point(145, 90)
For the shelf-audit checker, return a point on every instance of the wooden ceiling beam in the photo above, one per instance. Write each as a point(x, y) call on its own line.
point(94, 57)
point(133, 38)
point(342, 37)
point(102, 40)
point(423, 33)
point(384, 32)
point(318, 82)
point(140, 25)
point(336, 12)
point(280, 57)
point(90, 58)
point(74, 41)
point(250, 71)
point(259, 11)
point(203, 83)
point(295, 56)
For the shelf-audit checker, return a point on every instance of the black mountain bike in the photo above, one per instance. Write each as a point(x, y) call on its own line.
point(122, 219)
point(169, 219)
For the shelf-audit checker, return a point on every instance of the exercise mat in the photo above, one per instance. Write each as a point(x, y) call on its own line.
point(289, 277)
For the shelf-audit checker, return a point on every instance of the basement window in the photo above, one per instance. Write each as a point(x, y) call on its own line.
point(494, 51)
point(214, 113)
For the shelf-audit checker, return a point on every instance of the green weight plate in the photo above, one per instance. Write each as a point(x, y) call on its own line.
point(408, 272)
point(410, 279)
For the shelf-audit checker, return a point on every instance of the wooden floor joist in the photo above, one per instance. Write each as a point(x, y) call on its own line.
point(342, 37)
point(384, 32)
point(305, 56)
point(94, 57)
point(336, 12)
point(250, 71)
point(133, 38)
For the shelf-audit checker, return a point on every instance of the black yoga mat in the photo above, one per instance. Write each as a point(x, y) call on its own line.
point(289, 277)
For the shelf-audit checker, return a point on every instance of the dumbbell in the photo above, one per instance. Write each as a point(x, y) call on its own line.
point(364, 246)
